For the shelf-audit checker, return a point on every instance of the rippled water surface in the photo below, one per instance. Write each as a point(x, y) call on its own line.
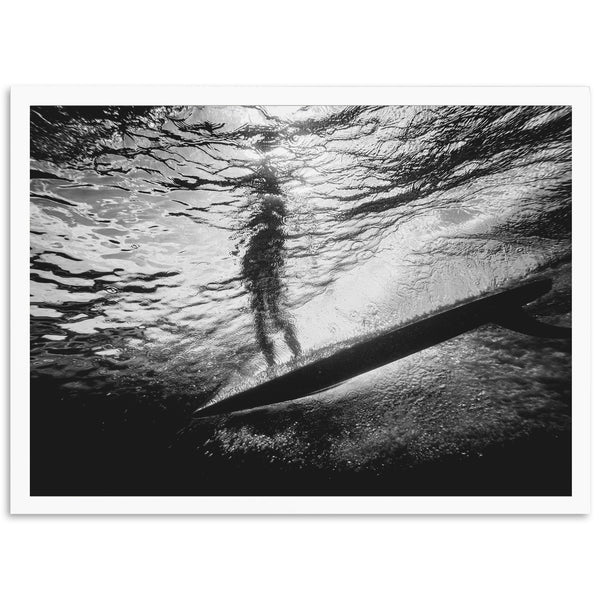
point(178, 251)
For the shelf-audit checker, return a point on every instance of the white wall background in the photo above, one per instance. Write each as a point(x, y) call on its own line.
point(310, 42)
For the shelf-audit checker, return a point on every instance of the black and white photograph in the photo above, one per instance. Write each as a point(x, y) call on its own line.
point(299, 300)
point(311, 300)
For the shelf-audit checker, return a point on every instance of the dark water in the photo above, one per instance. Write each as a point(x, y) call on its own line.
point(179, 252)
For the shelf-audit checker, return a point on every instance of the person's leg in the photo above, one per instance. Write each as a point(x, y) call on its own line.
point(291, 339)
point(259, 308)
point(284, 323)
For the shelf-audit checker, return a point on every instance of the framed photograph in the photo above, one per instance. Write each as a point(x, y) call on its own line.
point(300, 300)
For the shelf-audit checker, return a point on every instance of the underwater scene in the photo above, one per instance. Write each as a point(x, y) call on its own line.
point(202, 279)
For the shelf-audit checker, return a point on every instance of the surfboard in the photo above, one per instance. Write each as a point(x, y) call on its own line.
point(504, 308)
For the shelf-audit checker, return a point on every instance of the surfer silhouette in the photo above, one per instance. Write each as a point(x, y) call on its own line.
point(263, 260)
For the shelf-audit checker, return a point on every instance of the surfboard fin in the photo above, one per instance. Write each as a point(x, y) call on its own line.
point(518, 320)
